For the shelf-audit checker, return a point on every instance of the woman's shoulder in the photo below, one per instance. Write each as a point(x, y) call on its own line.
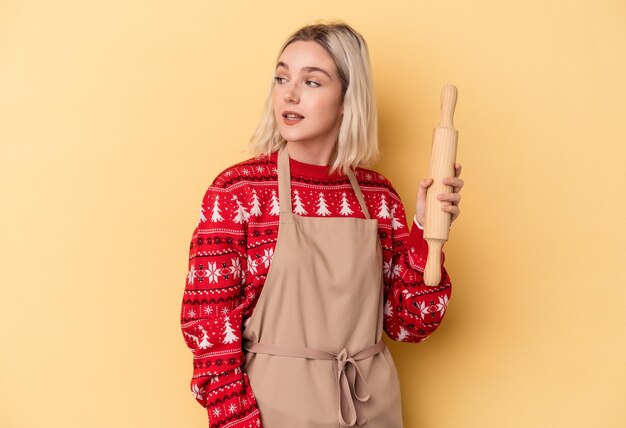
point(374, 180)
point(251, 169)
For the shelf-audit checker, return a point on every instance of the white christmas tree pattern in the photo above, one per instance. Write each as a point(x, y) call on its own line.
point(192, 337)
point(322, 208)
point(298, 205)
point(242, 214)
point(383, 209)
point(275, 205)
point(216, 216)
point(345, 206)
point(204, 344)
point(229, 332)
point(395, 223)
point(201, 218)
point(256, 205)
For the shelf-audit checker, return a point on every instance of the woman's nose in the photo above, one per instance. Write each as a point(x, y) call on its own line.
point(291, 95)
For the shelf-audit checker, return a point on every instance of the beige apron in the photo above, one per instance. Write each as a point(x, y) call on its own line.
point(316, 356)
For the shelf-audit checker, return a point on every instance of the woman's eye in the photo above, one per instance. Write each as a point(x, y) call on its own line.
point(312, 84)
point(279, 80)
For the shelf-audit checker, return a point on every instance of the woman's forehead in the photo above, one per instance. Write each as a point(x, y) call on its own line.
point(305, 55)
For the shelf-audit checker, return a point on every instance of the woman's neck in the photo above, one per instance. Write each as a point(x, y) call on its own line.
point(314, 155)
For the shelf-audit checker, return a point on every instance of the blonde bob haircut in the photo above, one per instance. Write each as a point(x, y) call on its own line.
point(357, 141)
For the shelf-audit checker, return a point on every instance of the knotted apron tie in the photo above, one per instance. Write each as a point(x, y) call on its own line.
point(348, 381)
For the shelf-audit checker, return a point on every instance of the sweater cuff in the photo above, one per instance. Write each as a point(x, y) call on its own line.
point(417, 223)
point(418, 247)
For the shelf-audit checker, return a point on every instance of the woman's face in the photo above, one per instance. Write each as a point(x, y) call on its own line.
point(307, 100)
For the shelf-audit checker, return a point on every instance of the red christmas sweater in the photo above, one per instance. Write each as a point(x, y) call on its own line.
point(231, 251)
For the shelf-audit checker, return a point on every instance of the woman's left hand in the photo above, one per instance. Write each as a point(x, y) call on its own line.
point(453, 199)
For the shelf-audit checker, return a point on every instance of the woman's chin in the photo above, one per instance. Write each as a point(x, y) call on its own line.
point(292, 136)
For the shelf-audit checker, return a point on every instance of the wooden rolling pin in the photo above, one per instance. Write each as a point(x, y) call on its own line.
point(442, 159)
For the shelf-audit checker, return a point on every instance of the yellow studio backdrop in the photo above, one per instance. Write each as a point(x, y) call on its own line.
point(116, 116)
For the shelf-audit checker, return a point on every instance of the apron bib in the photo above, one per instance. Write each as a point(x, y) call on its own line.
point(315, 355)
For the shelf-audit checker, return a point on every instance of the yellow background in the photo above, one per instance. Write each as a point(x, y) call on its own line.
point(115, 117)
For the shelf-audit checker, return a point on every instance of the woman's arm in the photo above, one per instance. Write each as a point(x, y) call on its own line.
point(212, 308)
point(413, 310)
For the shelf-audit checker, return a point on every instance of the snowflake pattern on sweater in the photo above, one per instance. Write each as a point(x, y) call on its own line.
point(231, 251)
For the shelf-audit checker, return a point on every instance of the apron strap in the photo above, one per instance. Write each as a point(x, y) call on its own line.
point(359, 195)
point(284, 185)
point(284, 181)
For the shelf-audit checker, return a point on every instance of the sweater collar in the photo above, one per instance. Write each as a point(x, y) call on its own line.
point(307, 169)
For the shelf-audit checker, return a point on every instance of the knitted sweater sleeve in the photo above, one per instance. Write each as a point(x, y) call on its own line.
point(211, 312)
point(413, 310)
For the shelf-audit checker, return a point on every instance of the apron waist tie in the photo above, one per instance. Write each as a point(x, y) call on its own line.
point(348, 382)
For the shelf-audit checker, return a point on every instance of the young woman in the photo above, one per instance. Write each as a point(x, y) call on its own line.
point(302, 257)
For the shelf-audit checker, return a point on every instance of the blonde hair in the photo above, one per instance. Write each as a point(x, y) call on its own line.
point(357, 141)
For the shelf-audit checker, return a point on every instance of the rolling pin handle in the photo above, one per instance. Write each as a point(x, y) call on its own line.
point(448, 103)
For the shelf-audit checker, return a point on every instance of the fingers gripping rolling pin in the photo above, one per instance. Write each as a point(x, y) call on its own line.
point(443, 157)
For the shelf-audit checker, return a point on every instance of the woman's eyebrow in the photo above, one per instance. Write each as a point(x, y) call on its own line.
point(309, 69)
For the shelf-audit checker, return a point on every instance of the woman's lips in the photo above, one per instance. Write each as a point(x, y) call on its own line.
point(292, 118)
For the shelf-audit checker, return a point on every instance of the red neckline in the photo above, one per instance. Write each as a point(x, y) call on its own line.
point(307, 169)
